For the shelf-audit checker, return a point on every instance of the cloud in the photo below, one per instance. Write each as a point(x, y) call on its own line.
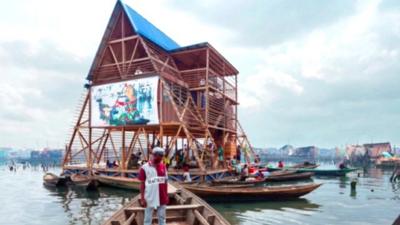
point(40, 87)
point(264, 23)
point(259, 88)
point(43, 55)
point(311, 72)
point(346, 77)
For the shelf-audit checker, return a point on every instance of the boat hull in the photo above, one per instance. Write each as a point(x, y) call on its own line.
point(251, 194)
point(119, 182)
point(84, 181)
point(332, 172)
point(290, 177)
point(52, 180)
point(184, 208)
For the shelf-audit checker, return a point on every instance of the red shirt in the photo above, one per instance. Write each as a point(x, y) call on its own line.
point(163, 188)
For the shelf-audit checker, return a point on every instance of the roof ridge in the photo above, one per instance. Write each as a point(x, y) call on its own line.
point(145, 28)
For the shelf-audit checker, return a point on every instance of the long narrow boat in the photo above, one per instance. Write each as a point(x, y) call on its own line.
point(52, 180)
point(84, 181)
point(252, 193)
point(184, 208)
point(305, 165)
point(289, 177)
point(277, 175)
point(296, 166)
point(119, 182)
point(236, 181)
point(328, 172)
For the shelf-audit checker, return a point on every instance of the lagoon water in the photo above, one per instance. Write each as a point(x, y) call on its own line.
point(25, 201)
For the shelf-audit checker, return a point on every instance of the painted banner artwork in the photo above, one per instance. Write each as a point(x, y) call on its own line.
point(131, 102)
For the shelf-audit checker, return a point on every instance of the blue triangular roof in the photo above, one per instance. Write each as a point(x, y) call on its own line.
point(148, 30)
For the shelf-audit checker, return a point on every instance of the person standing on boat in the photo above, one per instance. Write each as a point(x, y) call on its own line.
point(154, 187)
point(221, 155)
point(238, 154)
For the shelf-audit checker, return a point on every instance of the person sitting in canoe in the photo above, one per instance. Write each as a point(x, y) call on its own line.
point(154, 187)
point(245, 173)
point(342, 166)
point(280, 164)
point(114, 164)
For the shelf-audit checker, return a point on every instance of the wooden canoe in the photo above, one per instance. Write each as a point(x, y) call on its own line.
point(289, 177)
point(253, 181)
point(282, 173)
point(119, 182)
point(52, 180)
point(328, 172)
point(236, 181)
point(294, 167)
point(184, 208)
point(251, 193)
point(305, 165)
point(88, 182)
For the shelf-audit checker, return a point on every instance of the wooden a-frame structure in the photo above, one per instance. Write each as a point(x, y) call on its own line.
point(197, 98)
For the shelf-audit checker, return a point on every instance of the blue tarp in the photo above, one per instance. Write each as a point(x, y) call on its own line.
point(148, 30)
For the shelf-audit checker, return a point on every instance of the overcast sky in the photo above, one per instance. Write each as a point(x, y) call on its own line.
point(322, 73)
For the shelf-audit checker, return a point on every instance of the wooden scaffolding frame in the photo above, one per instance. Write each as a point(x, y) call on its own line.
point(197, 101)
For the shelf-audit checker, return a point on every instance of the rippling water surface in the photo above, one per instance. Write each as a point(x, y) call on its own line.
point(25, 201)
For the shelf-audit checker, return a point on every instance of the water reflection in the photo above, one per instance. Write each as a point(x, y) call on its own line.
point(329, 204)
point(90, 207)
point(271, 212)
point(343, 182)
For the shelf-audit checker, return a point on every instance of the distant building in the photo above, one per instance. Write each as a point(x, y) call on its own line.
point(35, 155)
point(396, 150)
point(4, 152)
point(355, 150)
point(309, 152)
point(287, 150)
point(47, 156)
point(326, 153)
point(374, 150)
point(357, 155)
point(3, 155)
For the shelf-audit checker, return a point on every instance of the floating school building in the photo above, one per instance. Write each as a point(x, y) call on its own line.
point(145, 90)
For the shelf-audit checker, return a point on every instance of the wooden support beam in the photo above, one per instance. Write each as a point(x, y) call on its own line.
point(200, 217)
point(131, 147)
point(115, 60)
point(123, 164)
point(85, 103)
point(186, 130)
point(103, 147)
point(133, 55)
point(100, 142)
point(114, 149)
point(123, 39)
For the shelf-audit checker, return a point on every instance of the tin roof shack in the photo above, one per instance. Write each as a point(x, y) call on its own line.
point(374, 150)
point(355, 150)
point(356, 154)
point(308, 153)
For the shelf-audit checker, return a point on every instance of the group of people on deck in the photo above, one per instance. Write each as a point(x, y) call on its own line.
point(252, 172)
point(153, 175)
